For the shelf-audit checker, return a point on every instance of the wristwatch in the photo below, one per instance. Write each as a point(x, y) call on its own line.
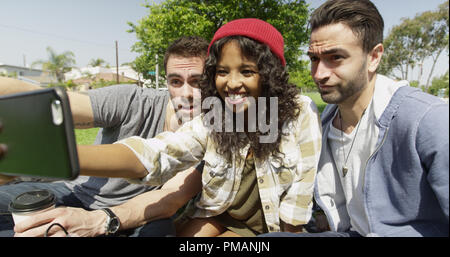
point(112, 223)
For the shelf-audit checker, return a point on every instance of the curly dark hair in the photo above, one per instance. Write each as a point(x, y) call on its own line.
point(274, 80)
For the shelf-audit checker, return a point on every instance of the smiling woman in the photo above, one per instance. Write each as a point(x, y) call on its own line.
point(240, 67)
point(237, 78)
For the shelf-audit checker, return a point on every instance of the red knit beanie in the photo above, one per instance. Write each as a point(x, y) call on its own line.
point(256, 29)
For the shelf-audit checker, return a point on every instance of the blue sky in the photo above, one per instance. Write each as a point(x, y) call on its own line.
point(89, 27)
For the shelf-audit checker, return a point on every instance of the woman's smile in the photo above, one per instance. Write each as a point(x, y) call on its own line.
point(237, 78)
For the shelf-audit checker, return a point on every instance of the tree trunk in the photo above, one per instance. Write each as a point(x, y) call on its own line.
point(420, 70)
point(402, 71)
point(59, 77)
point(406, 72)
point(412, 72)
point(432, 67)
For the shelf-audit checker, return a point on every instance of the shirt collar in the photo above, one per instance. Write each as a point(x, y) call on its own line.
point(384, 90)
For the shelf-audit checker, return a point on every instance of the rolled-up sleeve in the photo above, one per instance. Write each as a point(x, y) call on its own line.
point(169, 152)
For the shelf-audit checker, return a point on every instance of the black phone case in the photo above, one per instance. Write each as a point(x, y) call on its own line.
point(38, 131)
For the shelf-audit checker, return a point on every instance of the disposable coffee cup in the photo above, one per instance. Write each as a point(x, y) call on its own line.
point(30, 203)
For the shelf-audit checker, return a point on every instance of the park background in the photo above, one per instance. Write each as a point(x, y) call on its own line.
point(84, 33)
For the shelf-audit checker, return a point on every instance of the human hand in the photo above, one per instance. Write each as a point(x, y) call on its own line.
point(5, 179)
point(321, 222)
point(3, 149)
point(285, 227)
point(76, 221)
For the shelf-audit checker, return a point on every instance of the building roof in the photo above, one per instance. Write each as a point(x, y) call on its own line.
point(19, 67)
point(106, 76)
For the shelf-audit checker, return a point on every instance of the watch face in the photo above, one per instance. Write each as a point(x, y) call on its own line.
point(114, 225)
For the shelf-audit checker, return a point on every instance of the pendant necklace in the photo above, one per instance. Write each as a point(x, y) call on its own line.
point(344, 167)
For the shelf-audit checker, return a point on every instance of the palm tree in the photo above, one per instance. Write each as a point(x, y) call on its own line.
point(97, 62)
point(57, 64)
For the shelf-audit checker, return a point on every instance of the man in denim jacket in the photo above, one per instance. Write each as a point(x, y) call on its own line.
point(383, 169)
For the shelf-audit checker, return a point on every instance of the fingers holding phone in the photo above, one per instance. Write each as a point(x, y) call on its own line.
point(3, 149)
point(47, 113)
point(3, 178)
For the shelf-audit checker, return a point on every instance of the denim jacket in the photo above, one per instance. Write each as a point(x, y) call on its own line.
point(406, 178)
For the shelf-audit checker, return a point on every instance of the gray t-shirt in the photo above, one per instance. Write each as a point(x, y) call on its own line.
point(121, 111)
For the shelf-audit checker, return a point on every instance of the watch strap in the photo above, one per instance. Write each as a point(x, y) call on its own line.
point(111, 216)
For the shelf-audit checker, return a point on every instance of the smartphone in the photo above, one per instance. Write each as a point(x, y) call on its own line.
point(38, 131)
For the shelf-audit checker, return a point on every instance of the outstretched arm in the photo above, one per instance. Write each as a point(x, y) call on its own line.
point(102, 161)
point(80, 104)
point(109, 160)
point(154, 161)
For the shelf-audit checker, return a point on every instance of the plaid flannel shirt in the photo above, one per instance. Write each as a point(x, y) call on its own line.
point(285, 187)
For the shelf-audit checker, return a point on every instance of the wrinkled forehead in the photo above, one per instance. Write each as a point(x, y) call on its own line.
point(321, 47)
point(185, 65)
point(330, 37)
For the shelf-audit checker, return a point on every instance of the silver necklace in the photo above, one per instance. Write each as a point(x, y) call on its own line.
point(344, 167)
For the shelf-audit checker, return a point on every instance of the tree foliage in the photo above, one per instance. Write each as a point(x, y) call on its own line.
point(57, 64)
point(410, 43)
point(98, 62)
point(302, 77)
point(439, 83)
point(398, 47)
point(171, 19)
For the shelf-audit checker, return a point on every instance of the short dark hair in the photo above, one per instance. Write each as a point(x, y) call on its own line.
point(361, 16)
point(187, 46)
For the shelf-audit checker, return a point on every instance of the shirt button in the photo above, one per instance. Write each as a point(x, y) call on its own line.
point(270, 228)
point(261, 180)
point(267, 207)
point(211, 174)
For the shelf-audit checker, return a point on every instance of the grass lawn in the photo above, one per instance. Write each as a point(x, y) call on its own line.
point(86, 136)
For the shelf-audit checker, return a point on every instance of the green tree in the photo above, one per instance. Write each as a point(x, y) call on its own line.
point(400, 48)
point(57, 64)
point(302, 78)
point(439, 83)
point(410, 43)
point(9, 75)
point(171, 19)
point(438, 34)
point(98, 62)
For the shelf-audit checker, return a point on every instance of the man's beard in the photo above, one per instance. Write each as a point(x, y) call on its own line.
point(342, 92)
